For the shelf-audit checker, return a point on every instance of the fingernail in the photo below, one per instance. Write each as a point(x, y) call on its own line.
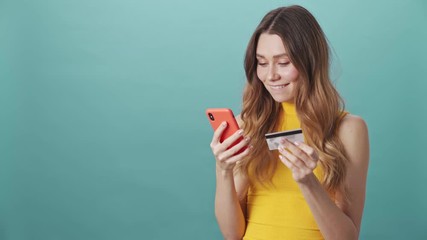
point(240, 132)
point(297, 143)
point(224, 123)
point(247, 139)
point(248, 148)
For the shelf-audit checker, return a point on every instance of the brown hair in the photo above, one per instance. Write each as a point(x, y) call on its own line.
point(318, 104)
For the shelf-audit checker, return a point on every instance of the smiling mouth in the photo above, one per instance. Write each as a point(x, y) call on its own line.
point(279, 86)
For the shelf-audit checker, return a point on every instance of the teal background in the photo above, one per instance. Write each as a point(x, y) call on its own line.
point(102, 126)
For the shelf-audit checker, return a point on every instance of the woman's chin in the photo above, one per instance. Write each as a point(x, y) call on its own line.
point(282, 98)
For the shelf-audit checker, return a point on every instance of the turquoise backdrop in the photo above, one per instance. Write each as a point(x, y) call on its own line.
point(102, 126)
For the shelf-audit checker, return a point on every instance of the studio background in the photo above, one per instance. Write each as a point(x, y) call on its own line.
point(102, 126)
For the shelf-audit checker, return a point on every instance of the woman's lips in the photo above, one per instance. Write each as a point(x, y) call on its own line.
point(279, 86)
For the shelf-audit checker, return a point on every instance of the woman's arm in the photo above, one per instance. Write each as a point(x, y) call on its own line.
point(230, 203)
point(336, 220)
point(231, 186)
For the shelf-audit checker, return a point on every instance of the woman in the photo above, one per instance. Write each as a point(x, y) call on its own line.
point(306, 190)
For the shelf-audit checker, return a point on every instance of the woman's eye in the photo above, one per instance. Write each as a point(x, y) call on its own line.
point(283, 63)
point(262, 64)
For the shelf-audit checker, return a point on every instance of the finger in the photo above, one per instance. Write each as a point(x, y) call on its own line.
point(233, 150)
point(233, 138)
point(218, 133)
point(308, 150)
point(239, 156)
point(224, 156)
point(292, 158)
point(287, 163)
point(222, 147)
point(299, 153)
point(294, 149)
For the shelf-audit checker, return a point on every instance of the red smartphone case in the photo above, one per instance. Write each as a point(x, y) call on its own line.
point(216, 116)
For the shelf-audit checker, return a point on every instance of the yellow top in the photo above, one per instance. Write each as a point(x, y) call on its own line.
point(280, 211)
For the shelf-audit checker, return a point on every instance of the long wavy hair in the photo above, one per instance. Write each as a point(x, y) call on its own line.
point(318, 104)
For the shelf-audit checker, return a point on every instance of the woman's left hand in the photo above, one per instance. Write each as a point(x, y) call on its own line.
point(300, 158)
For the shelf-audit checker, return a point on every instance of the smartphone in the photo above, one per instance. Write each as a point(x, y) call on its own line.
point(218, 115)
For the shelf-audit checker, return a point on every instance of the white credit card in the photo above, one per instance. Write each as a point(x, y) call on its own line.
point(273, 139)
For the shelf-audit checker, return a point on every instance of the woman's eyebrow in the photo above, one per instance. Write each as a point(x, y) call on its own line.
point(275, 56)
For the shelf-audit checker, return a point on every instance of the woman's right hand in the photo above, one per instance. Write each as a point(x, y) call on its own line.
point(226, 158)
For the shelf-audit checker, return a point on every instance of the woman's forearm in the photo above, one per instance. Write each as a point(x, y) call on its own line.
point(228, 211)
point(332, 221)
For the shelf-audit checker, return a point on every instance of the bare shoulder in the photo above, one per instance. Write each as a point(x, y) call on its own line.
point(353, 132)
point(352, 124)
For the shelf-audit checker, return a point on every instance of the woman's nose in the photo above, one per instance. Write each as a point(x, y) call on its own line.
point(272, 74)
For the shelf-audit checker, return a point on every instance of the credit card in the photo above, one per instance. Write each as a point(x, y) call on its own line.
point(273, 139)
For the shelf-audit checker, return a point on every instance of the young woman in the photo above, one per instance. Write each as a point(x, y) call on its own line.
point(306, 190)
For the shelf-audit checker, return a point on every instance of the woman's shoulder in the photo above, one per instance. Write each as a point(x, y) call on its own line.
point(352, 123)
point(353, 133)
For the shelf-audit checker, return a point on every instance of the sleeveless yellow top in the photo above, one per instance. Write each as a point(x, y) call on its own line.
point(280, 211)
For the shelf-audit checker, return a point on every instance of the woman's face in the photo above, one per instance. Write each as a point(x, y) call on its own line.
point(274, 68)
